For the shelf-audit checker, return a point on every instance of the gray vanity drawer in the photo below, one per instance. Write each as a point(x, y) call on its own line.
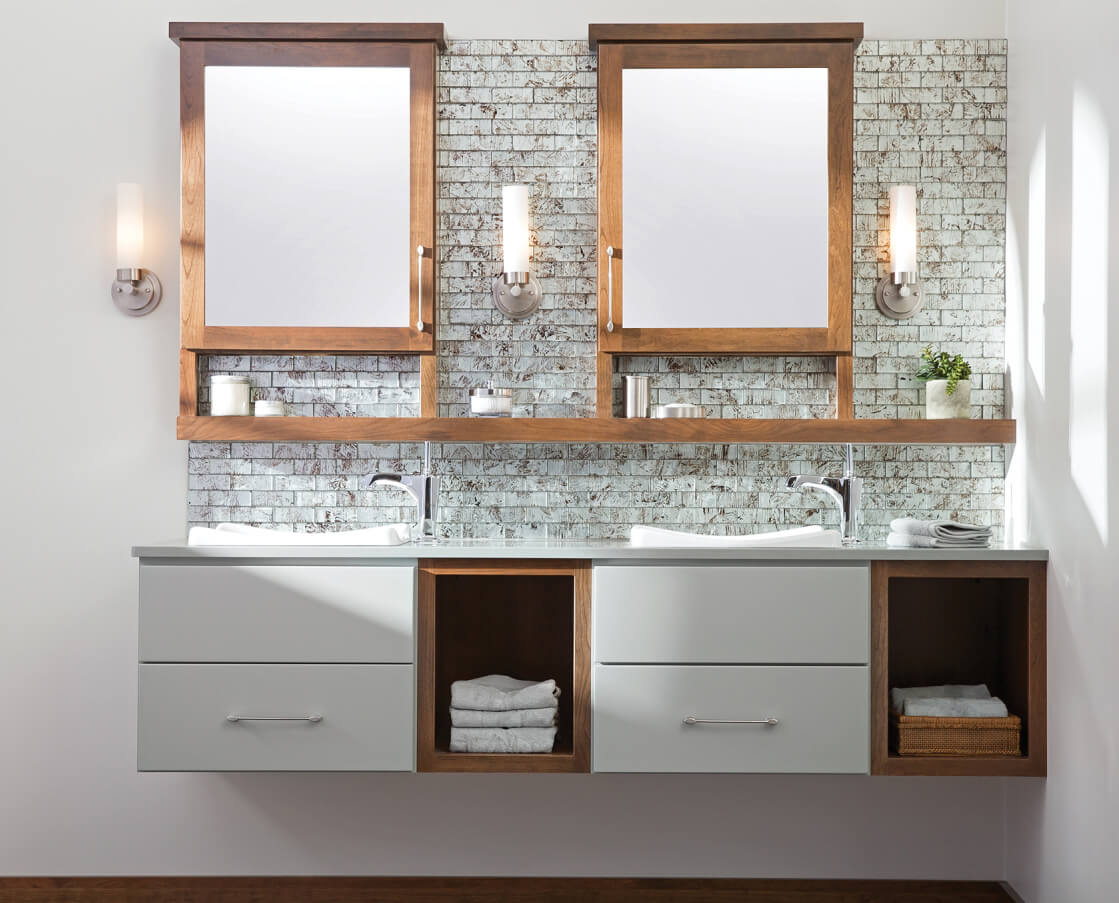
point(732, 615)
point(366, 718)
point(822, 719)
point(271, 613)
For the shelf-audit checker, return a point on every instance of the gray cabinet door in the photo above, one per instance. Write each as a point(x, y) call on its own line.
point(821, 714)
point(336, 718)
point(272, 613)
point(739, 614)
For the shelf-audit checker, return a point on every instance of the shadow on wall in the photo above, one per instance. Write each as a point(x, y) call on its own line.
point(1062, 489)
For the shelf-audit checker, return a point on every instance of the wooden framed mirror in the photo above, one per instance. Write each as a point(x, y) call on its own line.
point(725, 169)
point(308, 186)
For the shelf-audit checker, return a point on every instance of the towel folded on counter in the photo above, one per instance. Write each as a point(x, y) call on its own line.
point(909, 532)
point(545, 717)
point(502, 740)
point(912, 541)
point(500, 693)
point(948, 701)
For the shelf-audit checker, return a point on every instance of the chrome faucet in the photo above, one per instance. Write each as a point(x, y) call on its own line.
point(424, 489)
point(846, 491)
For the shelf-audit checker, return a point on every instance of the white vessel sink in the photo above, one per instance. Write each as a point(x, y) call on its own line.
point(799, 537)
point(242, 535)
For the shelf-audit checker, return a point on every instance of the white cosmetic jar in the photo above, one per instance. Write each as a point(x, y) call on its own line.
point(491, 402)
point(229, 396)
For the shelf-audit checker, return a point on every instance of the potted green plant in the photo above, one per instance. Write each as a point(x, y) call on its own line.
point(947, 384)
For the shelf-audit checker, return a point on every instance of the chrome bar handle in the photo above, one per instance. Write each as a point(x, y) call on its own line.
point(419, 287)
point(610, 288)
point(691, 721)
point(235, 719)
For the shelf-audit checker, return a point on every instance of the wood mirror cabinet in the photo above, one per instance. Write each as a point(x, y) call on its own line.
point(725, 168)
point(308, 189)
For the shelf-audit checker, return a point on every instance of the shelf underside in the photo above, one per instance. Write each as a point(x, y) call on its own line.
point(594, 429)
point(962, 766)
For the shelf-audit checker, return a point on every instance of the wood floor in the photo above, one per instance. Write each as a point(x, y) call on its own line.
point(491, 890)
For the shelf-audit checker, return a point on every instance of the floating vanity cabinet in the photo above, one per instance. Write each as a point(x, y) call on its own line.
point(717, 661)
point(276, 667)
point(736, 668)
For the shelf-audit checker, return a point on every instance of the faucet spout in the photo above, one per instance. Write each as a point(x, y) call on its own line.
point(845, 492)
point(424, 490)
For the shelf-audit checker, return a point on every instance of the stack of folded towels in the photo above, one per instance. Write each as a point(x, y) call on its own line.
point(948, 701)
point(910, 533)
point(499, 714)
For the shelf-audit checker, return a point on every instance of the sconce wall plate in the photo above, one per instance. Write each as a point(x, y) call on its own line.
point(136, 292)
point(517, 295)
point(891, 300)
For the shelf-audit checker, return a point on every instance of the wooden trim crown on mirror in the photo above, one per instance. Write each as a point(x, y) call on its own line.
point(310, 44)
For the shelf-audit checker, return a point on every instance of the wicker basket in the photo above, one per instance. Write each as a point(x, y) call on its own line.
point(912, 735)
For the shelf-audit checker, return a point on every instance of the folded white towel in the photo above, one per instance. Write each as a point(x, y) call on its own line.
point(516, 718)
point(917, 541)
point(500, 693)
point(944, 707)
point(899, 695)
point(503, 740)
point(938, 529)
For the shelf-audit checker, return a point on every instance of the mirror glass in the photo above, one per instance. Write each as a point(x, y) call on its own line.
point(307, 196)
point(725, 198)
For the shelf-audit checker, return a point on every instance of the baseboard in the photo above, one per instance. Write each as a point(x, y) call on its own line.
point(491, 890)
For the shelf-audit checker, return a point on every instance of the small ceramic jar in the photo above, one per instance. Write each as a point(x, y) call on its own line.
point(229, 396)
point(267, 407)
point(491, 402)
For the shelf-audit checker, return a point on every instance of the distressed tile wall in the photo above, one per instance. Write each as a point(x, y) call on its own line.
point(931, 113)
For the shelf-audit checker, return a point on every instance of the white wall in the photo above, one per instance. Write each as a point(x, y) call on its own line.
point(1063, 289)
point(89, 97)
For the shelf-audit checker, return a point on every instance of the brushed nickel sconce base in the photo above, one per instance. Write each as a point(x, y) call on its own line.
point(136, 292)
point(893, 303)
point(519, 299)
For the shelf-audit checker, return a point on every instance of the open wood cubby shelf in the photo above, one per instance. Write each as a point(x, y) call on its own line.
point(964, 622)
point(527, 619)
point(594, 429)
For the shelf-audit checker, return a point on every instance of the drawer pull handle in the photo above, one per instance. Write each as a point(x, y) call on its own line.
point(234, 719)
point(691, 721)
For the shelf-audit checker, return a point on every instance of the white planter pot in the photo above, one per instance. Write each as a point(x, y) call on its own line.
point(939, 405)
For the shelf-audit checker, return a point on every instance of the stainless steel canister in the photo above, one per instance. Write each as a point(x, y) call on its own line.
point(637, 396)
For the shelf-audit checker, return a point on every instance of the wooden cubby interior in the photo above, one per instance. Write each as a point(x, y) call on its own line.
point(522, 620)
point(944, 625)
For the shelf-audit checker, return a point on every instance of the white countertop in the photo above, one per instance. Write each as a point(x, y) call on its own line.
point(599, 550)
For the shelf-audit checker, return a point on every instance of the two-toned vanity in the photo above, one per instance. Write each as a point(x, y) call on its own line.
point(670, 660)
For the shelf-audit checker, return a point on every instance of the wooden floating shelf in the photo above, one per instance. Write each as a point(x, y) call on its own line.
point(594, 429)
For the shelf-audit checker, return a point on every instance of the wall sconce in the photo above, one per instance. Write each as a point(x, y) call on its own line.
point(136, 291)
point(898, 293)
point(515, 292)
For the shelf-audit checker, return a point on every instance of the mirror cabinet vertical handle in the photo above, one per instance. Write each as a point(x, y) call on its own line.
point(420, 287)
point(610, 288)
